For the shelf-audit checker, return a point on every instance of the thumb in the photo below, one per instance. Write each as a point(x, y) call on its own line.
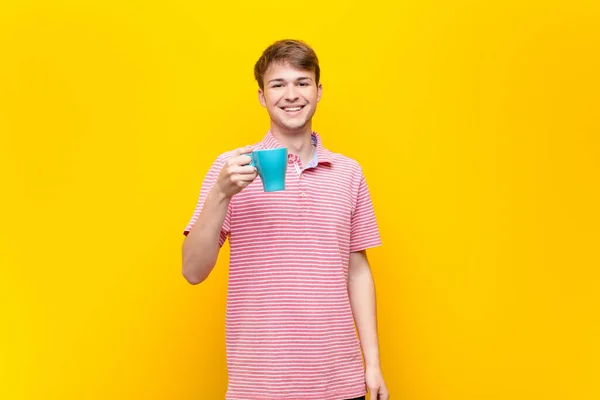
point(242, 150)
point(247, 149)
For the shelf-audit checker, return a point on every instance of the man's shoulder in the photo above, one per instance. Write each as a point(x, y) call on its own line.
point(345, 162)
point(224, 156)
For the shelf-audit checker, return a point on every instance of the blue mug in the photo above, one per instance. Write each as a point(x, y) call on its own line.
point(271, 165)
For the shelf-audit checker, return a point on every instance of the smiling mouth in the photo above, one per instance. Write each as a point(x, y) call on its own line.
point(292, 109)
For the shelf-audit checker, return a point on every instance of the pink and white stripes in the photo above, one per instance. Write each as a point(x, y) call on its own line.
point(290, 329)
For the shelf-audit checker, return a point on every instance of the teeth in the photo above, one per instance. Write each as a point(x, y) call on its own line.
point(293, 108)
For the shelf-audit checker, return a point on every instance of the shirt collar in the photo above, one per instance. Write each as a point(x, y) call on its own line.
point(323, 155)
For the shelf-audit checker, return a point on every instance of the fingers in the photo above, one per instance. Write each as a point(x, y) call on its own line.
point(247, 178)
point(240, 159)
point(379, 393)
point(240, 156)
point(383, 394)
point(374, 392)
point(242, 150)
point(236, 174)
point(241, 174)
point(243, 170)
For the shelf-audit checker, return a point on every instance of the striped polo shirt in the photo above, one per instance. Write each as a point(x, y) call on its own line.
point(290, 331)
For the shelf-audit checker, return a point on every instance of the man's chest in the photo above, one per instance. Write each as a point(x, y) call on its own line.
point(317, 202)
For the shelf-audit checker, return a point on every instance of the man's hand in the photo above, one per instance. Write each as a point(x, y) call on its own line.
point(236, 174)
point(376, 385)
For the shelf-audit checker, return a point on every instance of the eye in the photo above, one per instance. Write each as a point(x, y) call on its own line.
point(303, 84)
point(277, 85)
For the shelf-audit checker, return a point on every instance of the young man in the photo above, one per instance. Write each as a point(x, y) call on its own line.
point(299, 277)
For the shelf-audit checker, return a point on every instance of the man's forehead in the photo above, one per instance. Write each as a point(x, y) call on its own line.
point(286, 71)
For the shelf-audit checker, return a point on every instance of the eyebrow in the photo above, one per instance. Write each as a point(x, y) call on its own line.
point(302, 78)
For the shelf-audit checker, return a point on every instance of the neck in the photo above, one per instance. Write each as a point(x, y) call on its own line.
point(297, 142)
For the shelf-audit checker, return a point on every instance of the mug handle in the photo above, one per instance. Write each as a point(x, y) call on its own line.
point(251, 164)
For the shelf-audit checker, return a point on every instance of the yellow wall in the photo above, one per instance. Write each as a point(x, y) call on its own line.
point(477, 126)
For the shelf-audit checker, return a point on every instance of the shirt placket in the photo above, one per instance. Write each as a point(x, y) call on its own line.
point(302, 193)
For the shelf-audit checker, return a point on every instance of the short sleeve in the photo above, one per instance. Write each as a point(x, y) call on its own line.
point(364, 232)
point(209, 181)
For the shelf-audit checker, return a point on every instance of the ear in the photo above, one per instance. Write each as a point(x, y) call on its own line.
point(319, 92)
point(261, 98)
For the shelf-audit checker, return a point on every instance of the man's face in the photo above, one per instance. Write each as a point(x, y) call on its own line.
point(290, 96)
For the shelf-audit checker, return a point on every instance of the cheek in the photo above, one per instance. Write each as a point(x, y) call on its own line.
point(271, 101)
point(311, 94)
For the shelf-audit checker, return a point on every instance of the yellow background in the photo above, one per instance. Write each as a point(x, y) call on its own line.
point(476, 123)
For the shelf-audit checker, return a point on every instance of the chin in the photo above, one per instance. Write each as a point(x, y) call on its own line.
point(292, 125)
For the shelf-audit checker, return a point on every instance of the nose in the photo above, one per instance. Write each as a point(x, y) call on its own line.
point(290, 93)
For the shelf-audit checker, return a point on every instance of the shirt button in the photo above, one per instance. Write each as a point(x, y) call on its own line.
point(302, 194)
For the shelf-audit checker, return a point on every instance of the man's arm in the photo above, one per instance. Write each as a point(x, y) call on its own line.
point(361, 291)
point(201, 246)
